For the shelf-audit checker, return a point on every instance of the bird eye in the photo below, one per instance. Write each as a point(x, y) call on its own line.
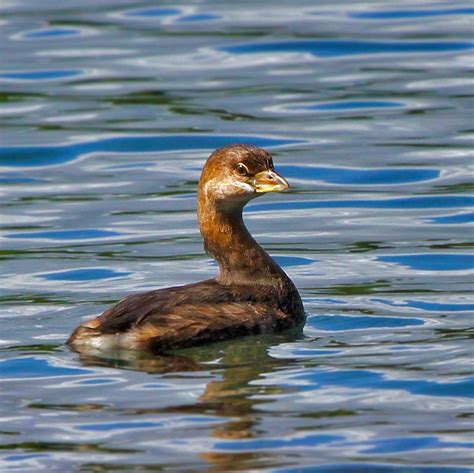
point(242, 169)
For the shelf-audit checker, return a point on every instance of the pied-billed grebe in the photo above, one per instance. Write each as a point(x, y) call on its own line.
point(251, 294)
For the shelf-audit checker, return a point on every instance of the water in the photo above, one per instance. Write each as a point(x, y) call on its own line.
point(108, 111)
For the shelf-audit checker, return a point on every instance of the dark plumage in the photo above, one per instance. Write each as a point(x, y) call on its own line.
point(251, 294)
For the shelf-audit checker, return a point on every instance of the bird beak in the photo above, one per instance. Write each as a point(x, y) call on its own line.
point(269, 181)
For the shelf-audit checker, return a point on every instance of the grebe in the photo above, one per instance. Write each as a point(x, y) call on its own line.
point(251, 293)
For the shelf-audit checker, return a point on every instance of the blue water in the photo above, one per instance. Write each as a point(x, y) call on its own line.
point(418, 13)
point(326, 48)
point(49, 155)
point(108, 111)
point(40, 75)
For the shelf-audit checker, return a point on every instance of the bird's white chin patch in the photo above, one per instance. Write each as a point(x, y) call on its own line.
point(234, 190)
point(246, 188)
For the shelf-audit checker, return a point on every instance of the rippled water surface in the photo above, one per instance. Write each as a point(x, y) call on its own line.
point(108, 111)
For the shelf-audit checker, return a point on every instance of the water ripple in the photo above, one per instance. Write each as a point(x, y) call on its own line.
point(77, 234)
point(333, 175)
point(432, 262)
point(154, 12)
point(308, 440)
point(25, 156)
point(415, 13)
point(84, 274)
point(198, 18)
point(429, 305)
point(415, 202)
point(32, 367)
point(455, 219)
point(46, 75)
point(344, 322)
point(366, 379)
point(47, 33)
point(346, 105)
point(370, 467)
point(328, 48)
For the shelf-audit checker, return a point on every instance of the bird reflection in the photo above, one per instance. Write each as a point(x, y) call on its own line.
point(238, 363)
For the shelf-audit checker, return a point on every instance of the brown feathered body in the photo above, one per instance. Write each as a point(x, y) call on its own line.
point(251, 294)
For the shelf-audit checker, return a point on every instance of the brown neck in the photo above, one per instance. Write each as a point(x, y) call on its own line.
point(241, 259)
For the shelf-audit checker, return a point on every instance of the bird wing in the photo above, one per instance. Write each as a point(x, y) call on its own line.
point(192, 324)
point(136, 309)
